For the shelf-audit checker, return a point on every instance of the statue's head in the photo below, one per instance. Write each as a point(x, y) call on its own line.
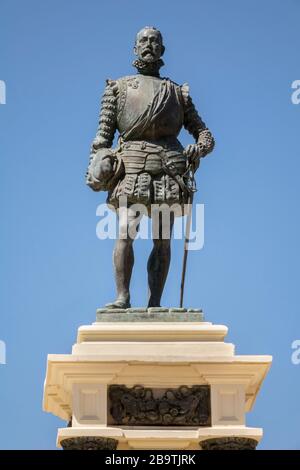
point(149, 44)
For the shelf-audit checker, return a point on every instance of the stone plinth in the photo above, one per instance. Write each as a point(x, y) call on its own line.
point(154, 379)
point(148, 315)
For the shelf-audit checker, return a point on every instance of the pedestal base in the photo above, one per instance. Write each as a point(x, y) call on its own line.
point(150, 384)
point(162, 439)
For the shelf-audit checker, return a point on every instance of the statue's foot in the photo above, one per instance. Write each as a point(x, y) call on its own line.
point(153, 303)
point(118, 304)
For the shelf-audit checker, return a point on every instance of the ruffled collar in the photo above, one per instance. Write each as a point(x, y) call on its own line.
point(148, 68)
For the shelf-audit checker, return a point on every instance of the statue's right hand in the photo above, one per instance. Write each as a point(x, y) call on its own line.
point(96, 144)
point(100, 169)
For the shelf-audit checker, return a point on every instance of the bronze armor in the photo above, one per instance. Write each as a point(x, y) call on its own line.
point(148, 113)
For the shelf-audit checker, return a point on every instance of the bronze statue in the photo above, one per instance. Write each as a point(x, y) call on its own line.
point(149, 165)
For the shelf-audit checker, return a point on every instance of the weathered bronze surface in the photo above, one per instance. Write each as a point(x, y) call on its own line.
point(141, 406)
point(149, 165)
point(89, 443)
point(229, 443)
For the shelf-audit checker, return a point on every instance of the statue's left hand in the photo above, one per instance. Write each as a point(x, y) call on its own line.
point(193, 152)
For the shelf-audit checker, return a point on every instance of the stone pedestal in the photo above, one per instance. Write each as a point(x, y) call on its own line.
point(154, 379)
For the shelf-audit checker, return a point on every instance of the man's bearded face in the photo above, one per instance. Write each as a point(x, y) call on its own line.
point(148, 46)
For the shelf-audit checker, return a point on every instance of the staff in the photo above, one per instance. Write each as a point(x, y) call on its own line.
point(191, 187)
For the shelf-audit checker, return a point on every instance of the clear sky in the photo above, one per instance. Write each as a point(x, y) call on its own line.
point(240, 59)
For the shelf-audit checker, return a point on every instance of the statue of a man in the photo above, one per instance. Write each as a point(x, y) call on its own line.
point(149, 165)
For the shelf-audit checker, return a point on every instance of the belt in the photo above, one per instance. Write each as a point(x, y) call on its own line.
point(170, 169)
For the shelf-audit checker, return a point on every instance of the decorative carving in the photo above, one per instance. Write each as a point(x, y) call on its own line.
point(140, 406)
point(133, 82)
point(89, 443)
point(229, 443)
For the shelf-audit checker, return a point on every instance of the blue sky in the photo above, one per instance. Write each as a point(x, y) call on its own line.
point(240, 59)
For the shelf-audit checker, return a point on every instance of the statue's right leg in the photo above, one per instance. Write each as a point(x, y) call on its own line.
point(123, 258)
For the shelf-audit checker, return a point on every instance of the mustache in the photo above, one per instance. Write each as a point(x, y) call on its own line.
point(147, 51)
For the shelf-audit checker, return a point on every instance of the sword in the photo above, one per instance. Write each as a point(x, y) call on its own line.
point(191, 187)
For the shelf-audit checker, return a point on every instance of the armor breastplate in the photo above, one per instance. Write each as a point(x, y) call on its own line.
point(135, 94)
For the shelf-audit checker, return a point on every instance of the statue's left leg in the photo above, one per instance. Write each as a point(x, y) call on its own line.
point(159, 262)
